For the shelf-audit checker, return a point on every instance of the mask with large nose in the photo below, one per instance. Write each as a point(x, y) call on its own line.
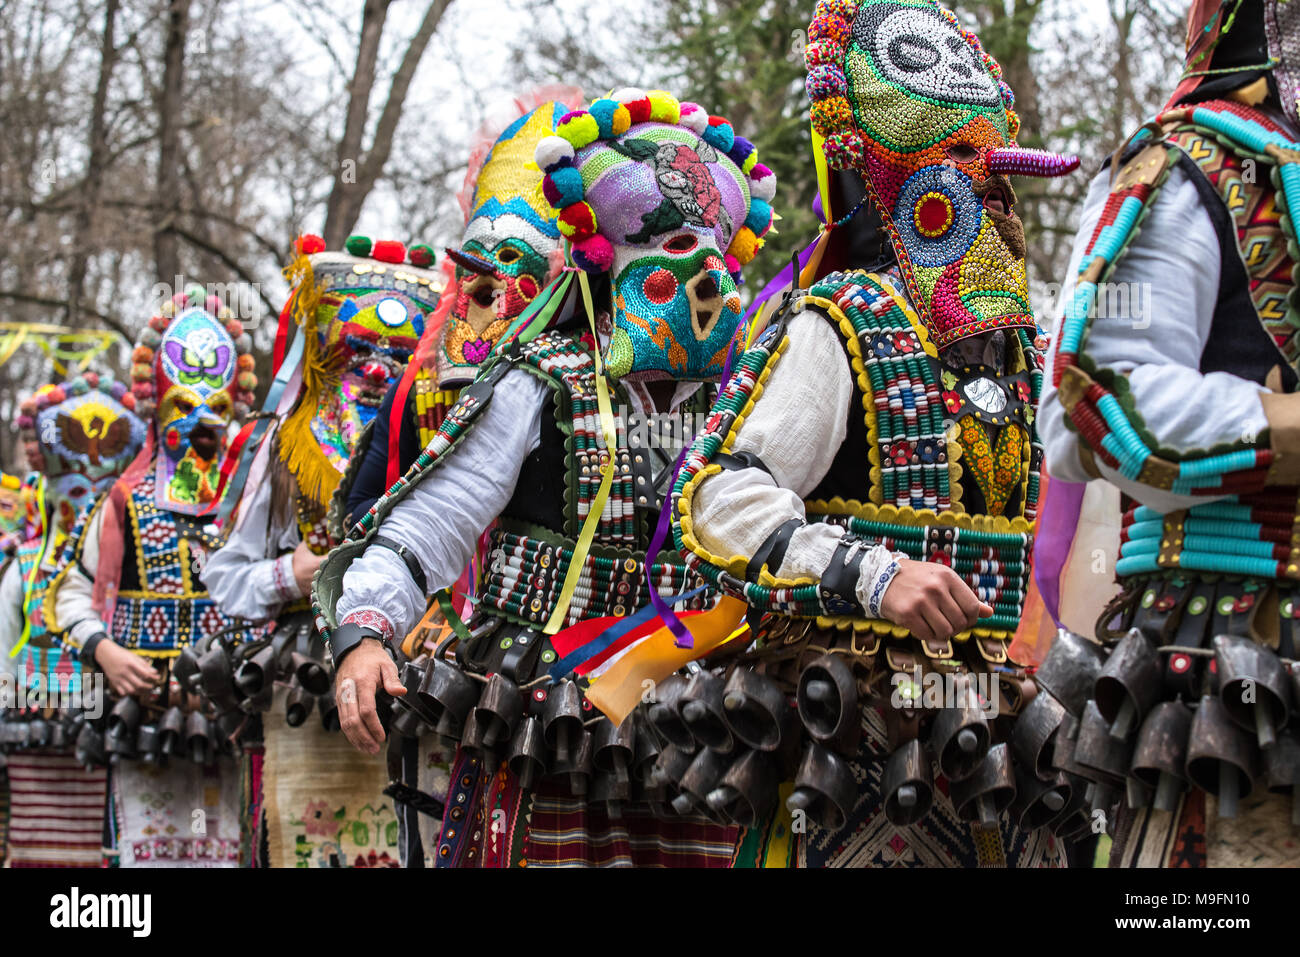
point(670, 203)
point(911, 101)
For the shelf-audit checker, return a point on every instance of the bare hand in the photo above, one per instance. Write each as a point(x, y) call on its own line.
point(127, 672)
point(931, 601)
point(305, 563)
point(366, 668)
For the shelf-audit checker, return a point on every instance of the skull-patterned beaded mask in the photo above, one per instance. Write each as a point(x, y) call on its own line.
point(670, 203)
point(910, 100)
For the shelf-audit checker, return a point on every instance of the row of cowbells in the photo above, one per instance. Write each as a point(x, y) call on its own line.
point(1109, 719)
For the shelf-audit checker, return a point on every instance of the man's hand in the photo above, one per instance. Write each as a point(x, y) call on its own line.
point(305, 563)
point(931, 601)
point(364, 670)
point(127, 672)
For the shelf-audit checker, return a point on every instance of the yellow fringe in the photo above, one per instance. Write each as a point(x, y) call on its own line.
point(301, 453)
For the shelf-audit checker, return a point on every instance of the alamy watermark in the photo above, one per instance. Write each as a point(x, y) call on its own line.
point(85, 693)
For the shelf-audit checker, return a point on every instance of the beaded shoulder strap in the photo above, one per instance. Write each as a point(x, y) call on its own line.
point(1098, 403)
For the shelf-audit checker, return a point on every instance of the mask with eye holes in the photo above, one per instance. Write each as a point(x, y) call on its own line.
point(670, 203)
point(509, 252)
point(905, 96)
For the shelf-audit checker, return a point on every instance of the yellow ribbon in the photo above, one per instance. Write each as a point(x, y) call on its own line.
point(588, 534)
point(36, 568)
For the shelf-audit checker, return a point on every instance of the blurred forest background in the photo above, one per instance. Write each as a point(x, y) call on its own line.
point(150, 139)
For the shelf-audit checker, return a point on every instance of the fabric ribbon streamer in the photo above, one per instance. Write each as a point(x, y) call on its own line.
point(588, 534)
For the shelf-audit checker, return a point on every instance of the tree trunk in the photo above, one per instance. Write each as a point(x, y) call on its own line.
point(89, 199)
point(166, 243)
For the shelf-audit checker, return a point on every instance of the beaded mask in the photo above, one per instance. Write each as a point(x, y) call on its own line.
point(193, 373)
point(362, 313)
point(80, 435)
point(1282, 28)
point(13, 510)
point(910, 100)
point(671, 204)
point(509, 252)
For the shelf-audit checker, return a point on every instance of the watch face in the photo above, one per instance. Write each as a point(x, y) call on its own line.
point(986, 395)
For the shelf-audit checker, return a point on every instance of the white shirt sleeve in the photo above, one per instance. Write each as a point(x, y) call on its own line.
point(11, 615)
point(1152, 325)
point(74, 601)
point(251, 576)
point(441, 518)
point(796, 427)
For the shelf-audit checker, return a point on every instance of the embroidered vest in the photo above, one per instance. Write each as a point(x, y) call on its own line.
point(170, 609)
point(531, 545)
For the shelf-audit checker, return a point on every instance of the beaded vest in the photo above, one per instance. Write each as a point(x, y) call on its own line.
point(527, 562)
point(927, 445)
point(169, 610)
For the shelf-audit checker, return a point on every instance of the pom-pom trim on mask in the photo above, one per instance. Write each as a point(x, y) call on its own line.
point(610, 117)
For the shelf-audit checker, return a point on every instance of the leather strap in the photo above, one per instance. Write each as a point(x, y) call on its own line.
point(839, 584)
point(772, 552)
point(408, 557)
point(735, 461)
point(346, 637)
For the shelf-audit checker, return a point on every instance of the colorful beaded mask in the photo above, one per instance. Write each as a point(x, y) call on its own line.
point(13, 511)
point(671, 204)
point(1282, 28)
point(509, 252)
point(362, 314)
point(193, 373)
point(80, 435)
point(910, 100)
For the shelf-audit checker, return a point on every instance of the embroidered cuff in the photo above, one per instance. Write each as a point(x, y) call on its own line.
point(878, 571)
point(371, 618)
point(286, 586)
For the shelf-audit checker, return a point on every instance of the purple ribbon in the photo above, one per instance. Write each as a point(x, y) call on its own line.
point(1058, 522)
point(683, 635)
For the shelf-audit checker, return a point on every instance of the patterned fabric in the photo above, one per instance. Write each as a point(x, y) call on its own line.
point(42, 654)
point(431, 405)
point(1097, 401)
point(324, 801)
point(56, 811)
point(171, 610)
point(182, 815)
point(940, 839)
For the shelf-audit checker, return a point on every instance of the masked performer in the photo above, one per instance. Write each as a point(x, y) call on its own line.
point(870, 478)
point(1172, 377)
point(509, 252)
point(661, 204)
point(129, 600)
point(79, 436)
point(359, 316)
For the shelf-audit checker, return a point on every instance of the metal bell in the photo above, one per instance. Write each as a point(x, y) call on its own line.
point(171, 733)
point(1129, 684)
point(185, 669)
point(409, 712)
point(756, 710)
point(613, 749)
point(960, 736)
point(148, 744)
point(701, 710)
point(701, 777)
point(527, 759)
point(582, 766)
point(646, 754)
point(90, 750)
point(310, 672)
point(1160, 758)
point(908, 785)
point(123, 721)
point(1070, 670)
point(1097, 753)
point(1034, 738)
point(747, 792)
point(38, 733)
point(1282, 765)
point(665, 715)
point(328, 706)
point(217, 676)
point(199, 738)
point(298, 705)
point(562, 721)
point(824, 787)
point(1039, 801)
point(1253, 686)
point(498, 711)
point(672, 766)
point(1074, 821)
point(1221, 756)
point(989, 791)
point(256, 671)
point(828, 704)
point(1067, 738)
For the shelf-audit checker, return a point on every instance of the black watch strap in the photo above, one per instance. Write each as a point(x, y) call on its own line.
point(407, 556)
point(87, 654)
point(346, 637)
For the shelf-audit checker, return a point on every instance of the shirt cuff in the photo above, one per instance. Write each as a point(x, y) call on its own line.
point(369, 617)
point(286, 585)
point(877, 573)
